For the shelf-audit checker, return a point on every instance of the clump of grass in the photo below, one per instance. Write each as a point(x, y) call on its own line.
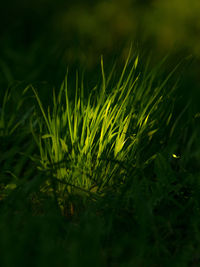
point(86, 141)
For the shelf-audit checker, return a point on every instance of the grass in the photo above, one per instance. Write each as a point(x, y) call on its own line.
point(103, 179)
point(106, 126)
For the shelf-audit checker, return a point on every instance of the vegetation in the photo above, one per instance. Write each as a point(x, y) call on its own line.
point(101, 169)
point(108, 177)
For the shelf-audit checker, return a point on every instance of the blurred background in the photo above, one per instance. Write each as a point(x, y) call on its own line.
point(39, 39)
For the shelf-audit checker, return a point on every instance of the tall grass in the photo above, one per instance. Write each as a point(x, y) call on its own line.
point(123, 149)
point(89, 144)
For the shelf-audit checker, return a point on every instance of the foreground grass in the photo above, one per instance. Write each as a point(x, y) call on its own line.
point(108, 179)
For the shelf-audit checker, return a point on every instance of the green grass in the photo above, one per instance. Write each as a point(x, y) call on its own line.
point(81, 136)
point(105, 179)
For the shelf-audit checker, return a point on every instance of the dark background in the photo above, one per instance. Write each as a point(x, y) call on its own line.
point(40, 39)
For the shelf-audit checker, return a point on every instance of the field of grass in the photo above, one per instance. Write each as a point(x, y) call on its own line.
point(101, 176)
